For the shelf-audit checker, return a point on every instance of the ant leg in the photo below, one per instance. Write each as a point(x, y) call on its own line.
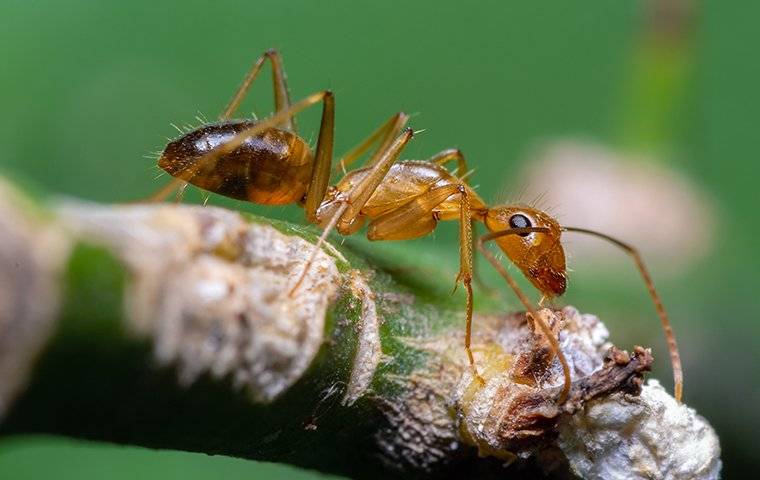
point(164, 192)
point(490, 291)
point(413, 219)
point(387, 132)
point(320, 177)
point(466, 269)
point(416, 218)
point(524, 299)
point(281, 95)
point(175, 186)
point(181, 193)
point(208, 161)
point(281, 102)
point(462, 172)
point(364, 188)
point(675, 357)
point(352, 203)
point(449, 155)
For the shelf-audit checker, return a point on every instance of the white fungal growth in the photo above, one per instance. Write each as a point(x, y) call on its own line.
point(368, 350)
point(644, 437)
point(33, 252)
point(212, 290)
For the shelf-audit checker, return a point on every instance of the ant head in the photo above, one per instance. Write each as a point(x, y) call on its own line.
point(538, 254)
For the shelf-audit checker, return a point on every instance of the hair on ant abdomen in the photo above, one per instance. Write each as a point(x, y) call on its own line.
point(273, 168)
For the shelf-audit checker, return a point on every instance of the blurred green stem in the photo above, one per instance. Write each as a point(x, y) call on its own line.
point(661, 72)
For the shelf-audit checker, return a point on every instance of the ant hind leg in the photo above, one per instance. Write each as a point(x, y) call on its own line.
point(281, 103)
point(281, 93)
point(208, 161)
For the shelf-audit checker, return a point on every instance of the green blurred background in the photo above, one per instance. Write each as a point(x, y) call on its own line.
point(89, 90)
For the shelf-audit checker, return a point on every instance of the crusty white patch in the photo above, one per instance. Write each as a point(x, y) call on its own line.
point(368, 351)
point(650, 436)
point(212, 291)
point(33, 252)
point(618, 437)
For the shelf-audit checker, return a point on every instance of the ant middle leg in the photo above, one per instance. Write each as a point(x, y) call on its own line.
point(348, 206)
point(449, 155)
point(361, 192)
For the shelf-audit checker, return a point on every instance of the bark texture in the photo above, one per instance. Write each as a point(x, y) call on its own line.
point(170, 326)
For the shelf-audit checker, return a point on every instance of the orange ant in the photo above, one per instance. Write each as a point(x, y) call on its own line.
point(266, 162)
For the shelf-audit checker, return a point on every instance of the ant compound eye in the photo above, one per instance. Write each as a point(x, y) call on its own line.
point(519, 220)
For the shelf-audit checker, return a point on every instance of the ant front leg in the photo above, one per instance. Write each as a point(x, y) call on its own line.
point(466, 269)
point(462, 172)
point(417, 218)
point(524, 299)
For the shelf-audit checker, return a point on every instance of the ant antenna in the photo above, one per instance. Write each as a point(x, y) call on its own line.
point(675, 357)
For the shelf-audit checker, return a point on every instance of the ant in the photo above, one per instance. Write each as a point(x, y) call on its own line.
point(267, 162)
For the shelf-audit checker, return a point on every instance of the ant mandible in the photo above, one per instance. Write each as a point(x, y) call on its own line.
point(267, 162)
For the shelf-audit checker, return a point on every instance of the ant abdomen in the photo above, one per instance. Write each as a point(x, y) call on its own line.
point(273, 168)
